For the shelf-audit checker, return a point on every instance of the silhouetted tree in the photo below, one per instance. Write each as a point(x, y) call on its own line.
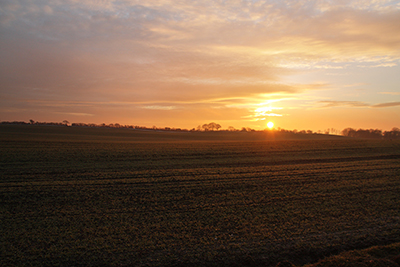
point(214, 126)
point(362, 133)
point(211, 126)
point(349, 132)
point(247, 129)
point(205, 127)
point(393, 134)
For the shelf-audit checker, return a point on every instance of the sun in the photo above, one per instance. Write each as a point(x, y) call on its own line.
point(270, 125)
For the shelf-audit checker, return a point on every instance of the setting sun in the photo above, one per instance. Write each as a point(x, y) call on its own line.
point(270, 125)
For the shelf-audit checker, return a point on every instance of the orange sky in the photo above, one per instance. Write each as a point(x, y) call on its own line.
point(301, 64)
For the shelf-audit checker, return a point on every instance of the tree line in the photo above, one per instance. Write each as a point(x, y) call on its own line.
point(93, 125)
point(212, 126)
point(372, 133)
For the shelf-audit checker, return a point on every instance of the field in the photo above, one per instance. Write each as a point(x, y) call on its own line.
point(117, 197)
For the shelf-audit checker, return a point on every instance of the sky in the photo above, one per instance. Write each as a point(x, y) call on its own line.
point(306, 65)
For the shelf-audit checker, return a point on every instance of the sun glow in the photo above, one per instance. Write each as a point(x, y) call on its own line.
point(263, 112)
point(270, 125)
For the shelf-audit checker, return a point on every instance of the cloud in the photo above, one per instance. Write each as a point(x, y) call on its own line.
point(386, 105)
point(357, 104)
point(390, 93)
point(272, 115)
point(330, 103)
point(355, 85)
point(77, 114)
point(157, 107)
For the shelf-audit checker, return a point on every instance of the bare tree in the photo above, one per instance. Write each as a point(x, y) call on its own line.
point(211, 126)
point(214, 126)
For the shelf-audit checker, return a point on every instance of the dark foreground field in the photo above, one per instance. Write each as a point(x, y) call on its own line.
point(109, 197)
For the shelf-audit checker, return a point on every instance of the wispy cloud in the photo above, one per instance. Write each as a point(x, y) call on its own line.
point(330, 104)
point(355, 84)
point(386, 105)
point(160, 107)
point(390, 93)
point(77, 114)
point(356, 104)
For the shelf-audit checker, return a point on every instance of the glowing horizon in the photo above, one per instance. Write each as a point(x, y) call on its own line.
point(305, 65)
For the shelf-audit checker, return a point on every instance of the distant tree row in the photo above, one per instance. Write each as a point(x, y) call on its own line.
point(372, 133)
point(102, 125)
point(212, 126)
point(117, 125)
point(64, 123)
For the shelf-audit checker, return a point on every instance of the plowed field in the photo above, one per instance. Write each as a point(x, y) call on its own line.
point(71, 200)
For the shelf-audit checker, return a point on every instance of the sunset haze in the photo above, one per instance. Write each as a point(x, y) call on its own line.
point(299, 65)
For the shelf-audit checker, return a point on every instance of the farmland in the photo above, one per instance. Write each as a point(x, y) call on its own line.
point(110, 197)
